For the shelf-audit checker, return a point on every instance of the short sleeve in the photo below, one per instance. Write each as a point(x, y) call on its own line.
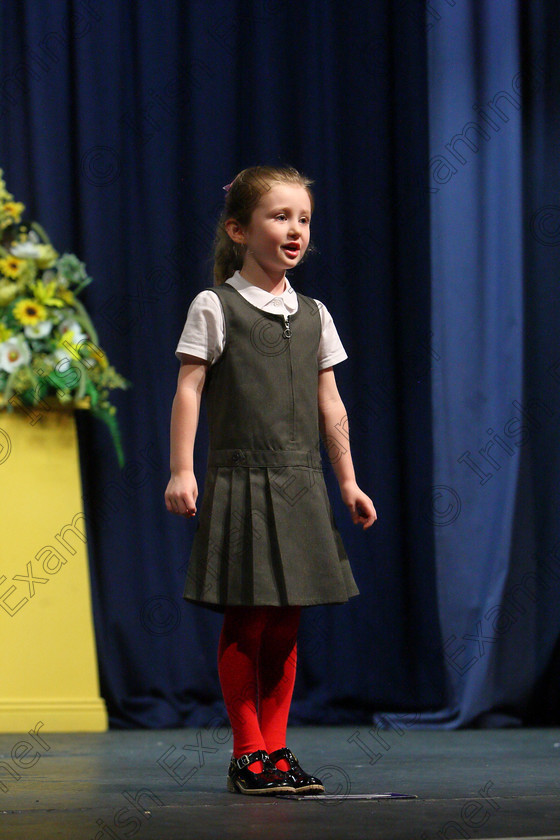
point(203, 333)
point(330, 351)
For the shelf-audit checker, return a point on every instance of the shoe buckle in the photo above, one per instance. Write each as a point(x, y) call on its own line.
point(243, 761)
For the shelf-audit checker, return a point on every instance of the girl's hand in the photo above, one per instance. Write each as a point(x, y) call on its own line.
point(181, 494)
point(360, 506)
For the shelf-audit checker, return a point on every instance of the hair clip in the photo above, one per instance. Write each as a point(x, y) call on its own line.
point(227, 187)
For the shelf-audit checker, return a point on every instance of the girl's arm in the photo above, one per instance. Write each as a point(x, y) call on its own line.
point(333, 425)
point(182, 490)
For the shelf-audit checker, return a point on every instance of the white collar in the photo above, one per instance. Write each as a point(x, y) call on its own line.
point(259, 297)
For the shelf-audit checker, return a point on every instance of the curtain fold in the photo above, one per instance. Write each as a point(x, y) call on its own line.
point(477, 320)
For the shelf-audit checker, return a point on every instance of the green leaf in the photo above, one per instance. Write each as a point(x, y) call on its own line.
point(92, 391)
point(9, 389)
point(57, 381)
point(111, 423)
point(85, 282)
point(42, 233)
point(85, 321)
point(82, 383)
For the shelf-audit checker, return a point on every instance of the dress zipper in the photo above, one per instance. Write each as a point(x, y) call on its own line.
point(288, 334)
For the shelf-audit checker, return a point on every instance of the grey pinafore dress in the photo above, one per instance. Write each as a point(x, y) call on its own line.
point(266, 533)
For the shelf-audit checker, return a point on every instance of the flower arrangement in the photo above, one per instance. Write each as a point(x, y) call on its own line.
point(48, 344)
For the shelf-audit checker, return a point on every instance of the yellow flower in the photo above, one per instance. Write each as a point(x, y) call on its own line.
point(99, 357)
point(47, 256)
point(4, 194)
point(66, 340)
point(13, 209)
point(66, 295)
point(28, 311)
point(5, 333)
point(46, 294)
point(12, 266)
point(8, 291)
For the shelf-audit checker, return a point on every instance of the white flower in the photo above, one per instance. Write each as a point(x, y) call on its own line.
point(25, 250)
point(62, 358)
point(38, 330)
point(68, 325)
point(14, 352)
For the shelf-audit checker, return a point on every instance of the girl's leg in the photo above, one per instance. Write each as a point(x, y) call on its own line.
point(277, 673)
point(238, 651)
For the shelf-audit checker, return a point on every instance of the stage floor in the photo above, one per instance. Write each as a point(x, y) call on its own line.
point(170, 784)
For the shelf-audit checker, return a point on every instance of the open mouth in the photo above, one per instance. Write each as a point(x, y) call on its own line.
point(292, 248)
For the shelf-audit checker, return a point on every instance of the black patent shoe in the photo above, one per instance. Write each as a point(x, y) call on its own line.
point(302, 781)
point(270, 781)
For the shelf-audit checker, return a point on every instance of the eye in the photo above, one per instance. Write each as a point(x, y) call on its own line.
point(281, 216)
point(305, 220)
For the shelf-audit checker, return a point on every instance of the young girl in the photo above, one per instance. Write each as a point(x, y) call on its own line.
point(266, 542)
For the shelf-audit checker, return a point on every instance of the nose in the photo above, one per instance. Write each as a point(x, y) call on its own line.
point(295, 229)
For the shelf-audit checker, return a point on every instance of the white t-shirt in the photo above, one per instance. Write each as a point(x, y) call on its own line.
point(204, 330)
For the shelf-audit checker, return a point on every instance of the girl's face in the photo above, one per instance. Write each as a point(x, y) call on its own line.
point(278, 233)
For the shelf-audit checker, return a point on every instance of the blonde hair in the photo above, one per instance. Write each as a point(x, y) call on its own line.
point(242, 197)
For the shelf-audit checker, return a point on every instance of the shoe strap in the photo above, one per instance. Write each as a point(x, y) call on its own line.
point(249, 758)
point(285, 753)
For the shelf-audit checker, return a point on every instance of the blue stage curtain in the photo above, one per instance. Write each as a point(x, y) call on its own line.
point(432, 133)
point(494, 264)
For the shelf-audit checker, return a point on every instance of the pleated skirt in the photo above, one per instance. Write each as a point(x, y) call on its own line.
point(266, 535)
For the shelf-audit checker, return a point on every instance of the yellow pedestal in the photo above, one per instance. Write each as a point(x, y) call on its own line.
point(48, 665)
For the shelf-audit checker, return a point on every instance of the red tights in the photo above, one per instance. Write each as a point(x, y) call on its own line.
point(257, 657)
